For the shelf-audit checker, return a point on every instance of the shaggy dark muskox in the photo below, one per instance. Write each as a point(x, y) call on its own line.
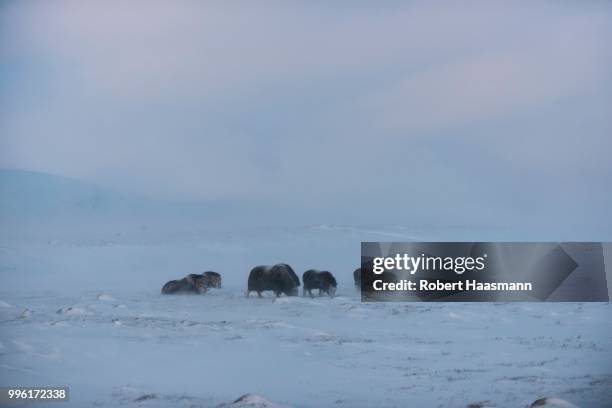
point(322, 280)
point(357, 278)
point(193, 283)
point(279, 278)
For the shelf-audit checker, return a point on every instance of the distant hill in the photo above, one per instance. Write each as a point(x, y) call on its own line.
point(32, 194)
point(46, 198)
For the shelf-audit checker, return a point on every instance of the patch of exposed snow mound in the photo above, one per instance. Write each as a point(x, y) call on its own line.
point(482, 404)
point(73, 311)
point(252, 401)
point(551, 403)
point(4, 304)
point(145, 397)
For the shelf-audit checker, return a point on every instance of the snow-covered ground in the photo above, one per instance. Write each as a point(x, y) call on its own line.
point(81, 307)
point(116, 343)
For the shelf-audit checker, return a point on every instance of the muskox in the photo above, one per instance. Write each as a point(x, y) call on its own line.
point(279, 278)
point(322, 280)
point(193, 283)
point(357, 278)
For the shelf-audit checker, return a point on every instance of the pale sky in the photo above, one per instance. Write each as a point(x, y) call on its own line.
point(454, 112)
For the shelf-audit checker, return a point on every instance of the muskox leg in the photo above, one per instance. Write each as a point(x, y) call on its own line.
point(310, 293)
point(259, 294)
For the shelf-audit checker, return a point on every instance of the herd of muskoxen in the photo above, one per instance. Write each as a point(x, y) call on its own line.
point(279, 278)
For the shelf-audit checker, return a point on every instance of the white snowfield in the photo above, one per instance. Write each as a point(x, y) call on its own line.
point(146, 349)
point(81, 307)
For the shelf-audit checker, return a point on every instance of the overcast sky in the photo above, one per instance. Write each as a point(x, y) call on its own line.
point(478, 111)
